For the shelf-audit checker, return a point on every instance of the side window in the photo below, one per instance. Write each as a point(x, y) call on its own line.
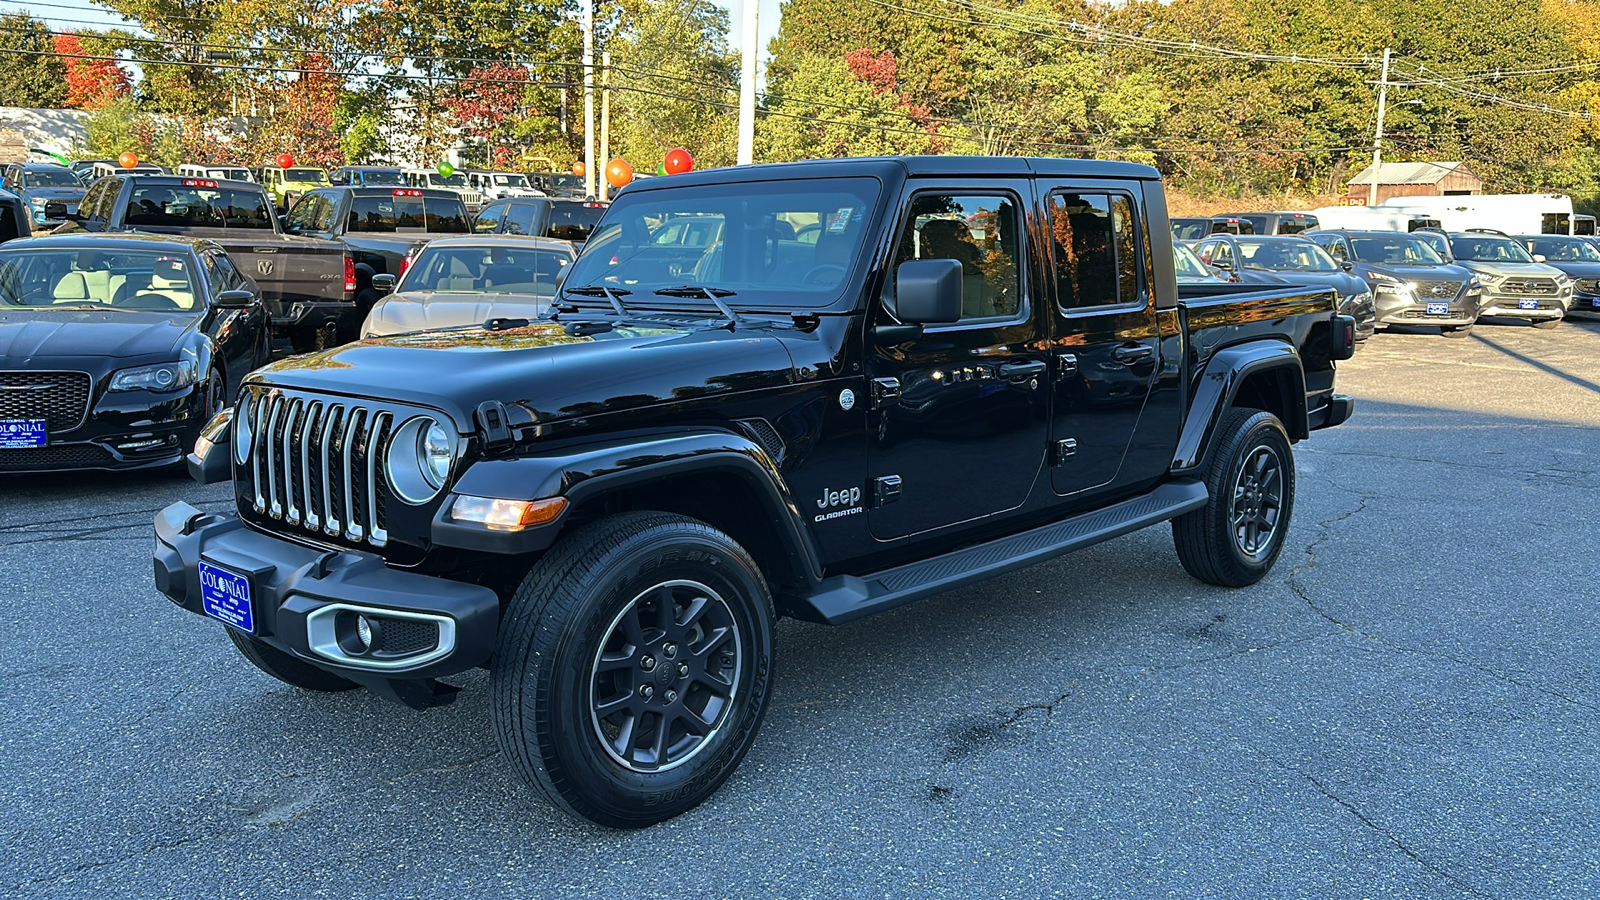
point(981, 233)
point(1205, 249)
point(1222, 253)
point(488, 220)
point(1094, 244)
point(98, 206)
point(321, 215)
point(1335, 248)
point(519, 218)
point(299, 219)
point(216, 276)
point(231, 277)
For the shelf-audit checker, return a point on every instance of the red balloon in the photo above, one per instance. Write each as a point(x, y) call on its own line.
point(618, 172)
point(678, 161)
point(578, 169)
point(284, 161)
point(128, 159)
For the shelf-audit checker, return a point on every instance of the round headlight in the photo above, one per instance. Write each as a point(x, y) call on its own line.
point(242, 433)
point(420, 455)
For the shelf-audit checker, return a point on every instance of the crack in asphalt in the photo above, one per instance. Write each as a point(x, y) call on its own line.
point(1493, 673)
point(1304, 593)
point(1545, 473)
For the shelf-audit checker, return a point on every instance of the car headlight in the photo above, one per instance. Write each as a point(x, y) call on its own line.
point(1489, 279)
point(1382, 277)
point(243, 428)
point(161, 377)
point(420, 456)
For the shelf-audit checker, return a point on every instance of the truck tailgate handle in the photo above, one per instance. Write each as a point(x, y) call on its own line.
point(1132, 354)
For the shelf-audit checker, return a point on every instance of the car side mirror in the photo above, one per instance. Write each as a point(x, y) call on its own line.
point(1347, 265)
point(927, 292)
point(1224, 264)
point(56, 210)
point(384, 282)
point(1538, 257)
point(235, 299)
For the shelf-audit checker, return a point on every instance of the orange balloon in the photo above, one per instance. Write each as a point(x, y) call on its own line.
point(128, 160)
point(678, 161)
point(578, 169)
point(618, 172)
point(284, 161)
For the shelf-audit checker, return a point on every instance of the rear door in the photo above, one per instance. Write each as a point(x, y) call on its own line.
point(960, 418)
point(1103, 333)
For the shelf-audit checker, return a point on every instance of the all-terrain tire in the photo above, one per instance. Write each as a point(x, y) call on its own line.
point(1212, 541)
point(574, 642)
point(1455, 331)
point(1547, 323)
point(286, 668)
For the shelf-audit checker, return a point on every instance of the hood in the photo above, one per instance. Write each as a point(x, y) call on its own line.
point(32, 335)
point(542, 372)
point(1341, 281)
point(1447, 272)
point(1525, 270)
point(1577, 268)
point(419, 310)
point(54, 193)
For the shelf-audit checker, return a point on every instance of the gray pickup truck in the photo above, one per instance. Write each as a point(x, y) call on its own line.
point(307, 284)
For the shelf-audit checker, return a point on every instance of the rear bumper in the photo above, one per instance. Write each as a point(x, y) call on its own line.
point(1336, 412)
point(305, 601)
point(288, 314)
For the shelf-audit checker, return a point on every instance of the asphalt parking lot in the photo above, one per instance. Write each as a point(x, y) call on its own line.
point(1407, 706)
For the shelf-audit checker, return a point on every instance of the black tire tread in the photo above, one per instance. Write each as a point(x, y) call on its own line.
point(294, 672)
point(1199, 536)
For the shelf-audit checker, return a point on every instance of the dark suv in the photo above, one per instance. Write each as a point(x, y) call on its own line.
point(1411, 283)
point(564, 220)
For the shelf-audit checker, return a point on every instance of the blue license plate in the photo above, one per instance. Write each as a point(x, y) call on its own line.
point(16, 434)
point(1595, 301)
point(1527, 304)
point(225, 596)
point(1438, 309)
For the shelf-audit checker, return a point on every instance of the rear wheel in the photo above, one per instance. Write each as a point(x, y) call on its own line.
point(1547, 323)
point(286, 668)
point(1236, 537)
point(634, 668)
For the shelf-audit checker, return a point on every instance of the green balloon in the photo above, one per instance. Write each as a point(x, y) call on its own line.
point(661, 168)
point(446, 170)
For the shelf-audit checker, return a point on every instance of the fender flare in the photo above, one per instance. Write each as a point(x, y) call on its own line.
point(584, 472)
point(364, 273)
point(1216, 388)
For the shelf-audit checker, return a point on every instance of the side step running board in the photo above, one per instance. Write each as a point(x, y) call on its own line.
point(847, 597)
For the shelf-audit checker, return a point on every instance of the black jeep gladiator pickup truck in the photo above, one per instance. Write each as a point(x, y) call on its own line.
point(974, 364)
point(307, 285)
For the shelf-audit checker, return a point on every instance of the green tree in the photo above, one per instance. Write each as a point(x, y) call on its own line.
point(677, 83)
point(823, 110)
point(29, 77)
point(115, 128)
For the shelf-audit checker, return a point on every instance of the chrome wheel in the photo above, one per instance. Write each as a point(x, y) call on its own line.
point(664, 676)
point(1257, 502)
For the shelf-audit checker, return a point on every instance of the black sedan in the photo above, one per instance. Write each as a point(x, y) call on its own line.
point(116, 349)
point(1292, 260)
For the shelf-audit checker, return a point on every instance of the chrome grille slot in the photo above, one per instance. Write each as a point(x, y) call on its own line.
point(353, 529)
point(305, 474)
point(377, 435)
point(330, 501)
point(274, 509)
point(294, 409)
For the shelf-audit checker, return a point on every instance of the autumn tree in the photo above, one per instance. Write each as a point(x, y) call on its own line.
point(92, 80)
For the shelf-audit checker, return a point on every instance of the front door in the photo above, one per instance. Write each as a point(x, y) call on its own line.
point(1104, 342)
point(959, 420)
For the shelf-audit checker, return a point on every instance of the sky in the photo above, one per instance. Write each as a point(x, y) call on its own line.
point(72, 14)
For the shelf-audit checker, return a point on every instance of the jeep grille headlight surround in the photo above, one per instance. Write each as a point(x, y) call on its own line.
point(420, 456)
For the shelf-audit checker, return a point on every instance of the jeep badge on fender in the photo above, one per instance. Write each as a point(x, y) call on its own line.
point(610, 506)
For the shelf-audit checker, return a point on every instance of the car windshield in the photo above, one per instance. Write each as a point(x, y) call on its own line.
point(511, 180)
point(569, 182)
point(1566, 250)
point(1399, 250)
point(1488, 249)
point(1295, 255)
point(487, 269)
point(181, 206)
point(52, 178)
point(1188, 265)
point(305, 175)
point(1191, 231)
point(448, 180)
point(758, 257)
point(228, 174)
point(150, 281)
point(381, 177)
point(574, 221)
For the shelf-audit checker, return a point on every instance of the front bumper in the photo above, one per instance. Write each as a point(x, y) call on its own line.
point(1508, 306)
point(303, 600)
point(1406, 308)
point(1584, 302)
point(126, 430)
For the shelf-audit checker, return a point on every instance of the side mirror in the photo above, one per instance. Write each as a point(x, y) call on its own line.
point(235, 299)
point(384, 283)
point(1347, 265)
point(1538, 257)
point(1224, 264)
point(55, 210)
point(927, 292)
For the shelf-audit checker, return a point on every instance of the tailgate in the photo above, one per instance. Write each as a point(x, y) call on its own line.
point(290, 270)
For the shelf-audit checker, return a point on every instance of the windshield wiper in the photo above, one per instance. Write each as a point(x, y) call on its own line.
point(715, 295)
point(600, 290)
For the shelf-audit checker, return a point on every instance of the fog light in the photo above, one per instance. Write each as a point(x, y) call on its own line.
point(364, 632)
point(506, 515)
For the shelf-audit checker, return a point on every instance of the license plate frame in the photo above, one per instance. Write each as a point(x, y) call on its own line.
point(23, 434)
point(1438, 309)
point(226, 595)
point(1527, 304)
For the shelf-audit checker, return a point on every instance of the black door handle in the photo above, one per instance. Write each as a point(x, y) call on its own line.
point(1017, 371)
point(1132, 354)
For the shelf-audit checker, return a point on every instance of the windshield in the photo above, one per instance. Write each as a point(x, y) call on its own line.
point(511, 180)
point(407, 214)
point(487, 270)
point(1191, 231)
point(1282, 256)
point(1488, 249)
point(51, 178)
point(1399, 250)
point(448, 180)
point(759, 254)
point(380, 177)
point(1188, 265)
point(1566, 250)
point(151, 281)
point(311, 175)
point(574, 221)
point(567, 181)
point(178, 206)
point(229, 174)
point(1258, 224)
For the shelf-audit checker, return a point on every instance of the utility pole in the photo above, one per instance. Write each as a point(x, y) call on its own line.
point(588, 97)
point(749, 45)
point(605, 120)
point(1377, 135)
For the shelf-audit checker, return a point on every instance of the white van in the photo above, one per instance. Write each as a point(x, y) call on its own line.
point(455, 182)
point(101, 170)
point(1510, 213)
point(221, 173)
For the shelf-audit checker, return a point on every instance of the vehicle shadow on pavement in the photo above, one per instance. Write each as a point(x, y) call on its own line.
point(1477, 335)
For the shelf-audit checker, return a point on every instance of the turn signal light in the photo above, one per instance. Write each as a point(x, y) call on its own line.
point(506, 515)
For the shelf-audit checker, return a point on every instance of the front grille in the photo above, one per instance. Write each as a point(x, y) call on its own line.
point(317, 464)
point(1438, 290)
point(61, 399)
point(1529, 286)
point(55, 456)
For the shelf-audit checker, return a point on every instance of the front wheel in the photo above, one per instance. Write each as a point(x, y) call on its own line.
point(1547, 323)
point(634, 667)
point(1235, 538)
point(1455, 331)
